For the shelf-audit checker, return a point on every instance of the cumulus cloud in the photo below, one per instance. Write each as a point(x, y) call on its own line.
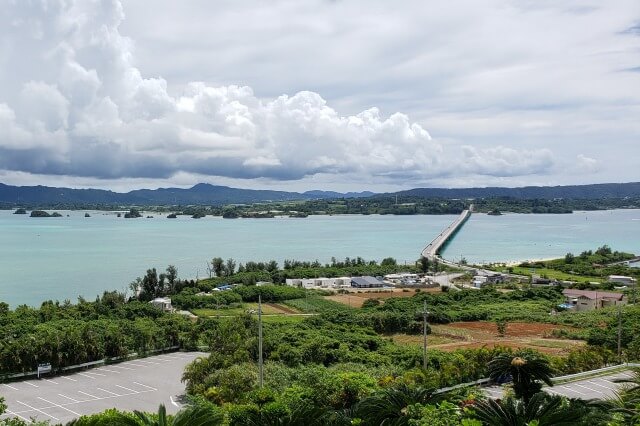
point(75, 104)
point(586, 164)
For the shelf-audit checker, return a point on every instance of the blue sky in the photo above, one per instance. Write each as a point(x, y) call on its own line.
point(343, 95)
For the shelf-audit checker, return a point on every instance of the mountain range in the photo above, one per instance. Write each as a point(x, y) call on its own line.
point(206, 194)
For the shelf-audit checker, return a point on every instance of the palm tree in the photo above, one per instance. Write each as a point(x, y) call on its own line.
point(389, 406)
point(191, 416)
point(527, 371)
point(544, 409)
point(626, 402)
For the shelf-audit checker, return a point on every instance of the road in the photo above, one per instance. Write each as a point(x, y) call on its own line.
point(140, 384)
point(601, 387)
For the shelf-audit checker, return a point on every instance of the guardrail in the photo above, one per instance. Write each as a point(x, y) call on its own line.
point(133, 355)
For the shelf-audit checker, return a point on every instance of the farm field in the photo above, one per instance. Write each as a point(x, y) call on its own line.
point(356, 299)
point(477, 334)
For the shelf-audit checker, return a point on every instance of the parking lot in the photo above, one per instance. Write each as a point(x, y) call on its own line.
point(140, 384)
point(601, 387)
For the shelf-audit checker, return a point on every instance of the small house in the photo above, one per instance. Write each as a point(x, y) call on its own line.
point(587, 300)
point(163, 303)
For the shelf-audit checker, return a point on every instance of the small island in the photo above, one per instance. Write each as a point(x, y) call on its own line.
point(87, 215)
point(42, 213)
point(494, 212)
point(172, 216)
point(133, 213)
point(20, 211)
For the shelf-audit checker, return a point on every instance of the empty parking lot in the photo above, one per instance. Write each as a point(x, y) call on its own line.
point(140, 384)
point(601, 387)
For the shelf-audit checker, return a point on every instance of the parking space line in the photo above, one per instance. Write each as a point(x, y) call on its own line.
point(68, 378)
point(11, 413)
point(39, 411)
point(88, 394)
point(86, 375)
point(127, 389)
point(50, 381)
point(140, 384)
point(106, 391)
point(573, 390)
point(10, 387)
point(60, 406)
point(69, 398)
point(95, 374)
point(148, 362)
point(110, 371)
point(124, 368)
point(31, 384)
point(602, 386)
point(136, 365)
point(588, 388)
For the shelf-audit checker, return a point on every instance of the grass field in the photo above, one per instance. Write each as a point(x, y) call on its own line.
point(554, 274)
point(315, 305)
point(267, 309)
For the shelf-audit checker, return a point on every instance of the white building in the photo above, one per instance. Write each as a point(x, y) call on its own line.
point(319, 283)
point(622, 279)
point(163, 303)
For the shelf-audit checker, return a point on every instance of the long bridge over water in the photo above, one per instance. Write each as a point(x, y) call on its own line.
point(432, 251)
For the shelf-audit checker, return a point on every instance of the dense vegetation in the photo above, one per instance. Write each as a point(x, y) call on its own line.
point(339, 365)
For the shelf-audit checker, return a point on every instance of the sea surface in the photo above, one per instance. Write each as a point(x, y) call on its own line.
point(62, 258)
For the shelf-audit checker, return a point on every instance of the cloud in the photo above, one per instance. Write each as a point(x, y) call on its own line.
point(75, 102)
point(586, 164)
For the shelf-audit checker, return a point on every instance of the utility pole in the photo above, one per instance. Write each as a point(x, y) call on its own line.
point(619, 335)
point(260, 361)
point(424, 335)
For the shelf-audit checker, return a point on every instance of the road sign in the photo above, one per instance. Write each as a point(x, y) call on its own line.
point(44, 368)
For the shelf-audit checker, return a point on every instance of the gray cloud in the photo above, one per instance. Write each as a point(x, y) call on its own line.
point(81, 100)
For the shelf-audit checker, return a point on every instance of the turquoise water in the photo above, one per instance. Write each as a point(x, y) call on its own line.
point(512, 237)
point(61, 258)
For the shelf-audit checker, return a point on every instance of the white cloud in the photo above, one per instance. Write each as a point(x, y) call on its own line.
point(75, 100)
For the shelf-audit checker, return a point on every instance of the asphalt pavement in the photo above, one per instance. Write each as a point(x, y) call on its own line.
point(139, 384)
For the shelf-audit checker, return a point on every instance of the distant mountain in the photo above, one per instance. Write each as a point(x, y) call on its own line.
point(201, 193)
point(594, 191)
point(333, 194)
point(206, 194)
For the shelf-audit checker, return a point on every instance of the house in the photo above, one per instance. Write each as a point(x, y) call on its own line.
point(163, 303)
point(319, 283)
point(587, 300)
point(622, 279)
point(366, 282)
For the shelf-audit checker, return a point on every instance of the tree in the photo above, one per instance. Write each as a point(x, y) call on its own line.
point(569, 258)
point(171, 275)
point(540, 410)
point(388, 261)
point(424, 264)
point(527, 371)
point(217, 266)
point(196, 415)
point(230, 267)
point(389, 406)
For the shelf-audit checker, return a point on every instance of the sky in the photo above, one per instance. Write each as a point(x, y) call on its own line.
point(344, 95)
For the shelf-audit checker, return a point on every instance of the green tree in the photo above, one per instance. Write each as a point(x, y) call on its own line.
point(389, 406)
point(196, 415)
point(229, 267)
point(217, 266)
point(527, 371)
point(540, 410)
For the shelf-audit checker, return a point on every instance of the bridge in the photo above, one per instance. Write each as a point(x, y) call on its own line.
point(432, 251)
